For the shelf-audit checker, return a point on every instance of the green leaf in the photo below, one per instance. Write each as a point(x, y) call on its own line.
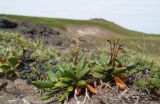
point(98, 63)
point(81, 63)
point(58, 74)
point(8, 54)
point(70, 88)
point(119, 70)
point(67, 70)
point(69, 73)
point(118, 60)
point(81, 83)
point(4, 69)
point(61, 85)
point(103, 60)
point(142, 83)
point(66, 80)
point(43, 84)
point(132, 65)
point(155, 82)
point(49, 95)
point(99, 69)
point(99, 75)
point(52, 76)
point(62, 98)
point(108, 68)
point(60, 68)
point(13, 62)
point(20, 52)
point(82, 72)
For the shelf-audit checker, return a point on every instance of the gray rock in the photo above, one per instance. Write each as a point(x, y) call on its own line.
point(4, 23)
point(36, 29)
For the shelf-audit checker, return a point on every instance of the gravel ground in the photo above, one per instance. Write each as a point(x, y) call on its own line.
point(18, 92)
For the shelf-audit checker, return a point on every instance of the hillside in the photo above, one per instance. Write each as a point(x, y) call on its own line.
point(91, 33)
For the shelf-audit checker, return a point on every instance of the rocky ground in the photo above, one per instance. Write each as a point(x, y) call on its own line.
point(18, 92)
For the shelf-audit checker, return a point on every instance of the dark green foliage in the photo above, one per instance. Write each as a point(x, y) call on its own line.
point(67, 77)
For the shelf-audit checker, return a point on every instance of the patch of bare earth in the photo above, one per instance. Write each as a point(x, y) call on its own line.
point(18, 92)
point(109, 96)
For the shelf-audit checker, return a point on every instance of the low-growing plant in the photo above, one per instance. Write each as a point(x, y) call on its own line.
point(70, 77)
point(28, 58)
point(114, 67)
point(151, 82)
point(10, 58)
point(41, 52)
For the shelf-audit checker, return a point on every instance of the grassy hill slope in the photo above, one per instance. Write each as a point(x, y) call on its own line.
point(95, 32)
point(61, 23)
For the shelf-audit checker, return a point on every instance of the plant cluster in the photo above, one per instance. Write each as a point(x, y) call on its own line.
point(74, 73)
point(69, 78)
point(116, 67)
point(74, 77)
point(10, 58)
point(28, 59)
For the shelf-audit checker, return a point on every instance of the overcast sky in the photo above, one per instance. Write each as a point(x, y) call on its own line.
point(141, 15)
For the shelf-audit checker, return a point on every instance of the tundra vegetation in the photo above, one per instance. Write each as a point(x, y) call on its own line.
point(67, 59)
point(73, 73)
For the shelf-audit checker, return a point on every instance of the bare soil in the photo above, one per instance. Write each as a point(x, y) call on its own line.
point(18, 92)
